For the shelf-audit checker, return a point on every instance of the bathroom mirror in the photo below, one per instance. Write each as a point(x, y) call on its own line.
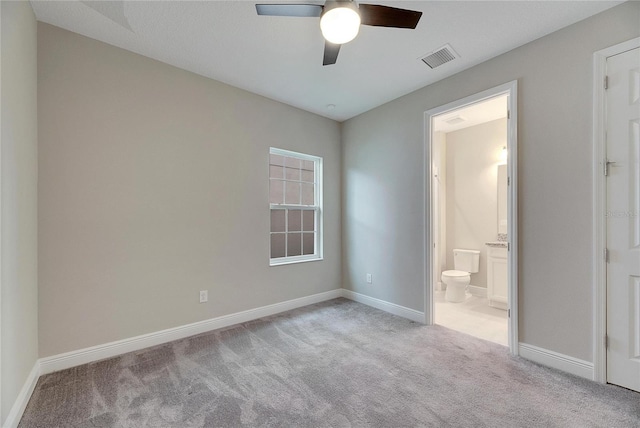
point(502, 198)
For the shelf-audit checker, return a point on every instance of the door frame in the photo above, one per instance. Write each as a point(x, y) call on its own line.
point(600, 207)
point(510, 89)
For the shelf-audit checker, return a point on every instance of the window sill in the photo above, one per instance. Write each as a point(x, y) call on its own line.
point(289, 262)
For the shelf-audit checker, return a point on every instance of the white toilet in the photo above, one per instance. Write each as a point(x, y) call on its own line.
point(465, 263)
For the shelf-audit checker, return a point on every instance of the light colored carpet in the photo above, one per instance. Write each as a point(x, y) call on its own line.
point(337, 363)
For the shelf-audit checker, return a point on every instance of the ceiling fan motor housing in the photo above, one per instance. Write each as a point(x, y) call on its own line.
point(346, 27)
point(340, 21)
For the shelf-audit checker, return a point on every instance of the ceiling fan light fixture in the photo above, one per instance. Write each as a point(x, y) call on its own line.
point(340, 25)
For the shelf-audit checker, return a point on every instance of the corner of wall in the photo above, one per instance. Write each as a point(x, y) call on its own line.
point(18, 214)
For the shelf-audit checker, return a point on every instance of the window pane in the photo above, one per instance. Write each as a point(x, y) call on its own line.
point(276, 171)
point(308, 243)
point(277, 220)
point(277, 245)
point(307, 194)
point(292, 174)
point(292, 193)
point(294, 244)
point(276, 191)
point(308, 165)
point(295, 221)
point(293, 162)
point(307, 176)
point(308, 222)
point(276, 160)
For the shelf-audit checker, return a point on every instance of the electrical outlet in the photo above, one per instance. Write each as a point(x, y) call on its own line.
point(204, 296)
point(369, 279)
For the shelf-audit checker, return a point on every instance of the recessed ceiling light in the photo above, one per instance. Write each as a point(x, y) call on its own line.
point(331, 106)
point(455, 119)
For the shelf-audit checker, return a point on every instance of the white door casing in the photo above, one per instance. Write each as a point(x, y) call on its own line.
point(622, 168)
point(511, 90)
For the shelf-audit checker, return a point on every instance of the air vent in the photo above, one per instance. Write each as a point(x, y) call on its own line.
point(440, 56)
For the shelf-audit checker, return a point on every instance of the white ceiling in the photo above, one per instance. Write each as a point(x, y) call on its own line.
point(475, 114)
point(281, 57)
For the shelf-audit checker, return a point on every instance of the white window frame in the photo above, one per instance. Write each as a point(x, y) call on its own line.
point(318, 208)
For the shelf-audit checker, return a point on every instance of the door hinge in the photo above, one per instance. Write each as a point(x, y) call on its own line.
point(606, 341)
point(509, 313)
point(607, 164)
point(606, 82)
point(508, 181)
point(508, 246)
point(508, 114)
point(606, 255)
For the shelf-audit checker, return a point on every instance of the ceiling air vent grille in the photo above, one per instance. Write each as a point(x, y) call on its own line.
point(440, 56)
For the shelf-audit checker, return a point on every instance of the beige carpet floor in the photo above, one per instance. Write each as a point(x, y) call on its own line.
point(339, 364)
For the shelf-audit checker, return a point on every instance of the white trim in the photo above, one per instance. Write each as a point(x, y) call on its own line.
point(1, 231)
point(512, 216)
point(297, 259)
point(511, 90)
point(291, 153)
point(599, 207)
point(383, 305)
point(15, 414)
point(477, 291)
point(557, 361)
point(112, 349)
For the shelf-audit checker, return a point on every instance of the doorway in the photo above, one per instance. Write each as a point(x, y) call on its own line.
point(617, 215)
point(454, 168)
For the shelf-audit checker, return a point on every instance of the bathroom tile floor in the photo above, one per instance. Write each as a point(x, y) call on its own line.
point(474, 317)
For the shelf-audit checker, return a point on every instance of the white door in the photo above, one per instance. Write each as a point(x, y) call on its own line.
point(623, 219)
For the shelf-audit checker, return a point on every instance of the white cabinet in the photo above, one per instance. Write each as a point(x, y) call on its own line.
point(497, 284)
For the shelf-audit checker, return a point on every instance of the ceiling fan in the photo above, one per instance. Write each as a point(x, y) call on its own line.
point(340, 20)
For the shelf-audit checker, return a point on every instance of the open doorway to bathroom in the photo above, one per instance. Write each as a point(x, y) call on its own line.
point(471, 264)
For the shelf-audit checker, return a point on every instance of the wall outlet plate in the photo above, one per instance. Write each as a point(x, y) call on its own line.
point(369, 279)
point(204, 296)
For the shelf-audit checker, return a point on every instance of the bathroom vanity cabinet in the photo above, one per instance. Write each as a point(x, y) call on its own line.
point(497, 285)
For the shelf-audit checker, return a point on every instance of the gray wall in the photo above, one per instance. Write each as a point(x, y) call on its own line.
point(383, 215)
point(19, 146)
point(473, 155)
point(153, 185)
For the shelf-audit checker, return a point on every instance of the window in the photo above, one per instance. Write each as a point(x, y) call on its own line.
point(295, 197)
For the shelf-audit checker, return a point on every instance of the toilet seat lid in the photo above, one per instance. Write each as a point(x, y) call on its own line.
point(455, 273)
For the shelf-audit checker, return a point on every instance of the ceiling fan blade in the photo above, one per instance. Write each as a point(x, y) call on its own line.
point(330, 53)
point(385, 16)
point(298, 10)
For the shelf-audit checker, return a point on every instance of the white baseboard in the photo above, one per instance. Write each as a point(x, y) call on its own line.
point(392, 308)
point(15, 414)
point(557, 361)
point(477, 291)
point(112, 349)
point(71, 359)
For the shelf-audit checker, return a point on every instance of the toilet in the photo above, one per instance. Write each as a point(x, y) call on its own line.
point(465, 262)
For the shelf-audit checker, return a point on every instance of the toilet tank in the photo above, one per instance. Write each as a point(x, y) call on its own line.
point(466, 260)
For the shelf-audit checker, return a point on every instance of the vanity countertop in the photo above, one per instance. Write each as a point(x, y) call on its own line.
point(497, 244)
